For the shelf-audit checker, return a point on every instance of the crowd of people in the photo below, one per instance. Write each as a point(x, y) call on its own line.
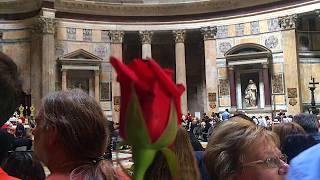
point(72, 138)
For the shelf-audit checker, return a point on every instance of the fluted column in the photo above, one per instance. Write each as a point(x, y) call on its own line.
point(211, 72)
point(232, 84)
point(179, 36)
point(96, 85)
point(290, 55)
point(266, 83)
point(64, 80)
point(146, 39)
point(116, 51)
point(46, 27)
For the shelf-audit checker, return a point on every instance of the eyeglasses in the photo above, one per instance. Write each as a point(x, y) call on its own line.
point(270, 162)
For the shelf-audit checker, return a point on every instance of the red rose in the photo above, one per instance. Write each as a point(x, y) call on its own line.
point(155, 91)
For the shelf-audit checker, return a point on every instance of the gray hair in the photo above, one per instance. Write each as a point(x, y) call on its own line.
point(308, 122)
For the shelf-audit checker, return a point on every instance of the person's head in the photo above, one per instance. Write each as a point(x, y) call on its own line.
point(21, 165)
point(186, 162)
point(285, 129)
point(308, 122)
point(11, 88)
point(71, 129)
point(227, 110)
point(6, 140)
point(240, 150)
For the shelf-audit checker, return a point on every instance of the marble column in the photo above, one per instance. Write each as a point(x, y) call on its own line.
point(64, 80)
point(116, 51)
point(146, 39)
point(181, 75)
point(211, 72)
point(97, 85)
point(232, 84)
point(291, 65)
point(46, 26)
point(36, 66)
point(266, 85)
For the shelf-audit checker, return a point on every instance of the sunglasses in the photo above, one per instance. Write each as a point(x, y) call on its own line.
point(270, 162)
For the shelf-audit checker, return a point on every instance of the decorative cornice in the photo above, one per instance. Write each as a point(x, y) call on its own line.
point(288, 22)
point(154, 9)
point(209, 32)
point(116, 37)
point(19, 6)
point(146, 37)
point(44, 25)
point(179, 35)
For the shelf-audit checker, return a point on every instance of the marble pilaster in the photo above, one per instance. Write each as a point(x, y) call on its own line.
point(146, 39)
point(211, 71)
point(116, 51)
point(64, 80)
point(179, 36)
point(97, 85)
point(46, 27)
point(232, 84)
point(292, 81)
point(266, 83)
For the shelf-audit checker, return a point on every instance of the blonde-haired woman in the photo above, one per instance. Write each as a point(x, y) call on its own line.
point(240, 150)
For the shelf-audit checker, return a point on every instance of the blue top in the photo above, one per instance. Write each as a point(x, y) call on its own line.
point(306, 166)
point(225, 116)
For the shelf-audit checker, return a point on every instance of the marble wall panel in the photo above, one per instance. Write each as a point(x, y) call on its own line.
point(280, 99)
point(232, 30)
point(100, 50)
point(71, 33)
point(255, 27)
point(273, 25)
point(306, 71)
point(224, 101)
point(18, 34)
point(87, 35)
point(239, 28)
point(263, 24)
point(73, 46)
point(223, 46)
point(105, 36)
point(224, 89)
point(61, 48)
point(272, 41)
point(222, 31)
point(20, 54)
point(247, 39)
point(222, 72)
point(277, 68)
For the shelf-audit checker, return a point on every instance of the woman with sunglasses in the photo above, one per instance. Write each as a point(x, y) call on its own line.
point(240, 150)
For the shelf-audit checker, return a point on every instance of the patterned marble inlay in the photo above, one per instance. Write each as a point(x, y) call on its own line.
point(277, 84)
point(222, 31)
point(87, 34)
point(105, 36)
point(71, 33)
point(255, 29)
point(271, 42)
point(273, 25)
point(240, 29)
point(224, 87)
point(224, 47)
point(100, 51)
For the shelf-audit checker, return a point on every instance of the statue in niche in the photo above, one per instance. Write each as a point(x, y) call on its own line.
point(251, 94)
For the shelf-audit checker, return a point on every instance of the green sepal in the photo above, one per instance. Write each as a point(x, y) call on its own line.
point(142, 159)
point(170, 132)
point(171, 161)
point(136, 129)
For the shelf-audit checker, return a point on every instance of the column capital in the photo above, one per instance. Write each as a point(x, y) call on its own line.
point(179, 35)
point(231, 67)
point(288, 22)
point(116, 36)
point(209, 32)
point(44, 25)
point(265, 65)
point(317, 12)
point(146, 37)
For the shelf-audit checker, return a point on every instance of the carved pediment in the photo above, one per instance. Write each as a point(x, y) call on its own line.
point(81, 54)
point(80, 57)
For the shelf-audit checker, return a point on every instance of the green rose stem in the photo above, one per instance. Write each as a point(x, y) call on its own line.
point(142, 159)
point(142, 149)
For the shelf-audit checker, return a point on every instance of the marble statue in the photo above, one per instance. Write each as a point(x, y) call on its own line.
point(251, 94)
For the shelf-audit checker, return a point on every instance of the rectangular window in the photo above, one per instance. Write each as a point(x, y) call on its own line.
point(71, 33)
point(87, 35)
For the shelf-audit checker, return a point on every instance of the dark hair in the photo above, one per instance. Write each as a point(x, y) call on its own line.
point(309, 122)
point(6, 141)
point(11, 88)
point(21, 165)
point(82, 130)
